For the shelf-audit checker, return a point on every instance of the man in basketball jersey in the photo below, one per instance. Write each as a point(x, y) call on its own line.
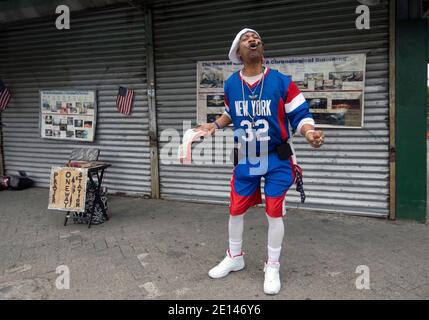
point(266, 108)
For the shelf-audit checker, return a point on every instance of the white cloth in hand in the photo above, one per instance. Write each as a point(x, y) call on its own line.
point(185, 149)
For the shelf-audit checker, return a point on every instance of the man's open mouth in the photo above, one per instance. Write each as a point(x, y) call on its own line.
point(253, 46)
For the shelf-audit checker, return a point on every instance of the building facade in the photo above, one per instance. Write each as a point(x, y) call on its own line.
point(153, 48)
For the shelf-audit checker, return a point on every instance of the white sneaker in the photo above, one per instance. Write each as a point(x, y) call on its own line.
point(272, 278)
point(227, 265)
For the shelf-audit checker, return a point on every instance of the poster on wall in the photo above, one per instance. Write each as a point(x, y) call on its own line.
point(68, 189)
point(332, 84)
point(68, 114)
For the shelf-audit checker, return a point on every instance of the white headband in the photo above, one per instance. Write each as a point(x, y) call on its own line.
point(236, 43)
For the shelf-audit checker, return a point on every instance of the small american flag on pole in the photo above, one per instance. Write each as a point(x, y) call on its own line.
point(124, 100)
point(5, 96)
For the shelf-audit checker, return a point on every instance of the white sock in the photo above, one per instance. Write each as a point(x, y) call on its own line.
point(235, 228)
point(275, 238)
point(273, 255)
point(235, 248)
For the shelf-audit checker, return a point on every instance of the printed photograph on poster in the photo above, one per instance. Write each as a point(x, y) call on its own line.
point(346, 104)
point(63, 109)
point(343, 117)
point(68, 108)
point(313, 81)
point(215, 100)
point(64, 114)
point(211, 79)
point(330, 118)
point(81, 134)
point(56, 121)
point(333, 85)
point(55, 108)
point(317, 103)
point(354, 76)
point(76, 108)
point(301, 85)
point(87, 108)
point(46, 107)
point(213, 117)
point(78, 123)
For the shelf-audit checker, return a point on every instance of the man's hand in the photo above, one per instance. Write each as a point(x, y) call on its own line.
point(209, 127)
point(315, 138)
point(222, 121)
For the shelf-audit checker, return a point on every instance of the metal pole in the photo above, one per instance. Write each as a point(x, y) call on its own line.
point(1, 149)
point(392, 109)
point(151, 94)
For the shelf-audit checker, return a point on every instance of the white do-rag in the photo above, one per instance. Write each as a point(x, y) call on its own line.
point(236, 43)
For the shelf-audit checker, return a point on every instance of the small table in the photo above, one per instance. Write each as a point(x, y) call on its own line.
point(95, 168)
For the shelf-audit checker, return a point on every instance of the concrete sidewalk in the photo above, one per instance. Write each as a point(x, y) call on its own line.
point(157, 249)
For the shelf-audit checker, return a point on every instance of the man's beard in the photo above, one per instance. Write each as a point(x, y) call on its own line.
point(254, 56)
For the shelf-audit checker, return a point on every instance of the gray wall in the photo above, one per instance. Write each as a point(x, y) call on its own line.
point(104, 49)
point(350, 173)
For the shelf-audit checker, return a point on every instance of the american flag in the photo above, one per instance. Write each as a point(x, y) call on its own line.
point(124, 100)
point(299, 182)
point(5, 96)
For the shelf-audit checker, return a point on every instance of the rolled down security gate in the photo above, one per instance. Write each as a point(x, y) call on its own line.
point(350, 174)
point(104, 49)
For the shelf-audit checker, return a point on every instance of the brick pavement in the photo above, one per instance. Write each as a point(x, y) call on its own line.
point(157, 249)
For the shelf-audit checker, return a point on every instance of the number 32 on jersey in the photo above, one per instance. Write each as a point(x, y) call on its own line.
point(261, 133)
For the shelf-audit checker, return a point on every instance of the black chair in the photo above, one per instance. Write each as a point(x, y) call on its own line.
point(85, 154)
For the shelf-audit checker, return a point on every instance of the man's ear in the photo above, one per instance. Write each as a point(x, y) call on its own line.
point(239, 55)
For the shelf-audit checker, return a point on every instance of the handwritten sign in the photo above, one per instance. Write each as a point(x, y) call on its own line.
point(68, 189)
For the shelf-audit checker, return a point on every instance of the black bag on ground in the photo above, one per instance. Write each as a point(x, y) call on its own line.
point(20, 182)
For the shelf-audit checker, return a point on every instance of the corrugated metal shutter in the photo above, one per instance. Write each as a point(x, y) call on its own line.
point(350, 173)
point(104, 49)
